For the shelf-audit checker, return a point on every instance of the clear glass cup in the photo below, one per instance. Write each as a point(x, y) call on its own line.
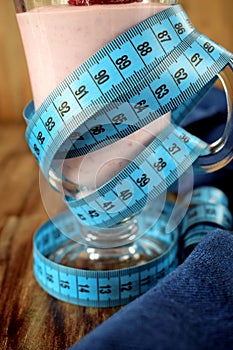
point(57, 38)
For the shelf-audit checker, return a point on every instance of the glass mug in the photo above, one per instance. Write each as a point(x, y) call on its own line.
point(57, 38)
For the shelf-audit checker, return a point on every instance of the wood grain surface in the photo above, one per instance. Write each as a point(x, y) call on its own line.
point(31, 319)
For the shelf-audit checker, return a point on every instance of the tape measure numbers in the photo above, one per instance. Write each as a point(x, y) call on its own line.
point(100, 288)
point(203, 217)
point(208, 195)
point(207, 213)
point(149, 86)
point(162, 64)
point(118, 287)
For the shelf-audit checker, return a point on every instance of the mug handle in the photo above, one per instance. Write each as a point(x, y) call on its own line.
point(221, 151)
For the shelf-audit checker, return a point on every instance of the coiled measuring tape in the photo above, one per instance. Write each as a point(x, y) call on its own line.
point(100, 288)
point(162, 64)
point(118, 287)
point(180, 65)
point(208, 195)
point(208, 211)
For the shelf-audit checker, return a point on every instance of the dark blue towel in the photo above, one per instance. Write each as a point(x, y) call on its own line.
point(190, 309)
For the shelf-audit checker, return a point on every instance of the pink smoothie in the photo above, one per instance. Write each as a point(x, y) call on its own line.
point(59, 38)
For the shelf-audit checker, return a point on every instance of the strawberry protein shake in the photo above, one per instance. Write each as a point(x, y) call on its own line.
point(59, 38)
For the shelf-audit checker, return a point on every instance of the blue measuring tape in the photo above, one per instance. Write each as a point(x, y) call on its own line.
point(100, 288)
point(171, 76)
point(208, 195)
point(118, 287)
point(208, 211)
point(162, 64)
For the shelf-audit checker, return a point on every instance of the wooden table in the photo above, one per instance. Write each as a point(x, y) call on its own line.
point(30, 318)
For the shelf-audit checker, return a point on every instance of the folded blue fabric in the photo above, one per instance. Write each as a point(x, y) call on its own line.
point(190, 309)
